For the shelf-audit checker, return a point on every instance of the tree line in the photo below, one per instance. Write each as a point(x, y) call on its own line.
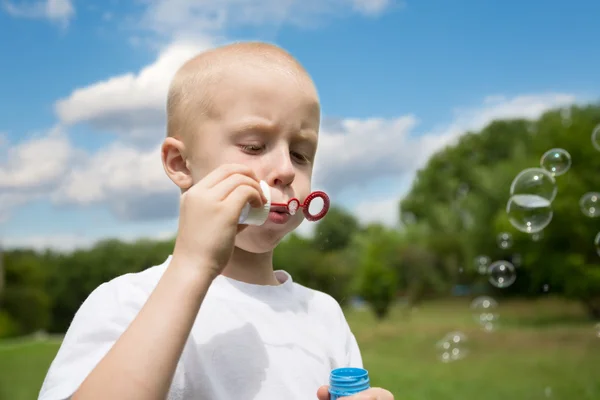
point(453, 213)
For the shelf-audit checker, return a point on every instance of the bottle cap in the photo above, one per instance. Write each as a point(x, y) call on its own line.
point(258, 215)
point(347, 382)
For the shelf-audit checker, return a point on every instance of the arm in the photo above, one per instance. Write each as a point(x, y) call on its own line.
point(114, 350)
point(142, 362)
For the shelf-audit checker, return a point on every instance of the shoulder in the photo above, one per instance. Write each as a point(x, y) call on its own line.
point(115, 303)
point(97, 324)
point(329, 315)
point(319, 303)
point(131, 289)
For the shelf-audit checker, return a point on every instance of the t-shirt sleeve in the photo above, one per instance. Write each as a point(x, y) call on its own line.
point(97, 325)
point(353, 357)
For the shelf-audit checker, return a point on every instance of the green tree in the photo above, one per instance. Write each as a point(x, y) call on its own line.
point(328, 272)
point(335, 231)
point(377, 276)
point(461, 194)
point(24, 301)
point(75, 275)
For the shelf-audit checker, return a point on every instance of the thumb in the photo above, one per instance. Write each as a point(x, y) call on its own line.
point(323, 393)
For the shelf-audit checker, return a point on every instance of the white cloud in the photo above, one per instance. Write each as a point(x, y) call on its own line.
point(134, 106)
point(33, 168)
point(372, 7)
point(383, 211)
point(58, 11)
point(131, 182)
point(187, 18)
point(377, 148)
point(129, 179)
point(131, 104)
point(40, 161)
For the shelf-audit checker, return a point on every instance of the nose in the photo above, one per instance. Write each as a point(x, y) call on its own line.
point(281, 169)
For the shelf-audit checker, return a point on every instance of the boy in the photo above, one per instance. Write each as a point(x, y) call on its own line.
point(215, 321)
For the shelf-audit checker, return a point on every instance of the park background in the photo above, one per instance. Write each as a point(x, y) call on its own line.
point(430, 111)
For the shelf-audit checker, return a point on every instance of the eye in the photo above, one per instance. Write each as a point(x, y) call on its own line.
point(252, 148)
point(300, 157)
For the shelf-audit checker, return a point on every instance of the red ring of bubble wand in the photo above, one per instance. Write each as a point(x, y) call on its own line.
point(294, 204)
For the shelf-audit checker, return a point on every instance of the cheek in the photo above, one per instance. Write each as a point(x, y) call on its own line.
point(207, 162)
point(302, 185)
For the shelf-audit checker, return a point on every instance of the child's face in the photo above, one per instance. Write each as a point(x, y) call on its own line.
point(267, 119)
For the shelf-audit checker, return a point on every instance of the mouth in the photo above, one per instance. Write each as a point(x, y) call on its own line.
point(280, 209)
point(279, 218)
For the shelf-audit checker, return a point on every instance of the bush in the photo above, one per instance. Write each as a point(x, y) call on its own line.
point(28, 307)
point(8, 327)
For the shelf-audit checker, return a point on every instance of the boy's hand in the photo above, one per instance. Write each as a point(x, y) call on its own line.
point(369, 394)
point(209, 213)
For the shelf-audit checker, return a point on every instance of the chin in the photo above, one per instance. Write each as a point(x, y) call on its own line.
point(263, 239)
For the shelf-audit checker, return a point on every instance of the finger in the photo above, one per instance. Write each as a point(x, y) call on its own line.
point(323, 393)
point(371, 394)
point(223, 189)
point(241, 195)
point(222, 172)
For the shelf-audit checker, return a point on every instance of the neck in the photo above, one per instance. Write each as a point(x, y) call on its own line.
point(251, 268)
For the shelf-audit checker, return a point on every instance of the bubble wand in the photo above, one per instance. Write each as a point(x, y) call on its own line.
point(259, 215)
point(293, 205)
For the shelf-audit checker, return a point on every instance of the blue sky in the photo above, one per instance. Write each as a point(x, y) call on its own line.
point(81, 125)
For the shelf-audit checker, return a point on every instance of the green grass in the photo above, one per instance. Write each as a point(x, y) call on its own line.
point(542, 348)
point(23, 365)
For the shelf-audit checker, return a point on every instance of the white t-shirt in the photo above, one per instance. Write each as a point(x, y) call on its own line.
point(248, 341)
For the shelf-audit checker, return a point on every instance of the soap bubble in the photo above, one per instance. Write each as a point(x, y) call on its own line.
point(462, 191)
point(596, 137)
point(534, 181)
point(452, 347)
point(556, 161)
point(466, 219)
point(597, 328)
point(590, 204)
point(529, 213)
point(536, 237)
point(546, 288)
point(597, 243)
point(484, 312)
point(482, 263)
point(408, 218)
point(565, 115)
point(502, 274)
point(516, 260)
point(505, 240)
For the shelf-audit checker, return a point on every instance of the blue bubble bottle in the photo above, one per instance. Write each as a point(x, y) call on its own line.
point(347, 382)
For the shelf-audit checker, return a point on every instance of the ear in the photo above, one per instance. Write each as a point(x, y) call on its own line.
point(173, 159)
